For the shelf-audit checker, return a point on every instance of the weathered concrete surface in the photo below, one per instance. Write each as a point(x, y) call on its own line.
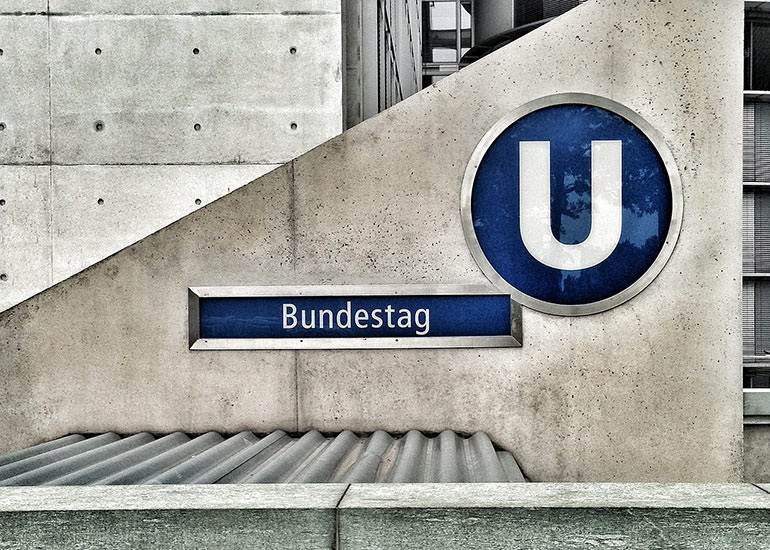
point(756, 452)
point(164, 7)
point(605, 397)
point(647, 391)
point(237, 517)
point(286, 496)
point(576, 529)
point(366, 516)
point(87, 230)
point(149, 89)
point(25, 238)
point(575, 516)
point(123, 356)
point(23, 6)
point(738, 496)
point(25, 137)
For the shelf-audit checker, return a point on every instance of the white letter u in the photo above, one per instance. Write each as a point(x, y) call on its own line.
point(535, 209)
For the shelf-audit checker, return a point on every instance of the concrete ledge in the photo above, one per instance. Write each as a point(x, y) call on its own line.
point(307, 496)
point(533, 516)
point(182, 516)
point(557, 495)
point(545, 516)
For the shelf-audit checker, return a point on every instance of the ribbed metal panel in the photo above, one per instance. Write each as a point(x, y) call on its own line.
point(748, 231)
point(756, 142)
point(749, 174)
point(109, 459)
point(747, 306)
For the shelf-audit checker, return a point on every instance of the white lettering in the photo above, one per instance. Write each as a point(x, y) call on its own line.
point(311, 323)
point(287, 315)
point(321, 318)
point(389, 310)
point(405, 318)
point(423, 325)
point(347, 317)
point(346, 312)
point(376, 318)
point(362, 316)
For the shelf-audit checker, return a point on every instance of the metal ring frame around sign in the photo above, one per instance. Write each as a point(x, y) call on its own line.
point(676, 204)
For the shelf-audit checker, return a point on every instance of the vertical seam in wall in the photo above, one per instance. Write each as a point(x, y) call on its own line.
point(50, 153)
point(293, 236)
point(337, 518)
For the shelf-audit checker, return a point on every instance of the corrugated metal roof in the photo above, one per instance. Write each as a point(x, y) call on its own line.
point(178, 458)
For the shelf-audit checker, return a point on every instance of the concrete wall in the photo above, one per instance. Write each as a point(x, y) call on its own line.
point(756, 445)
point(650, 390)
point(113, 125)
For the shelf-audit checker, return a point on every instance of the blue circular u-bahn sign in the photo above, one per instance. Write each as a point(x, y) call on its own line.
point(572, 203)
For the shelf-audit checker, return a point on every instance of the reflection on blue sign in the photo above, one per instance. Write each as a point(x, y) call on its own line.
point(355, 316)
point(571, 205)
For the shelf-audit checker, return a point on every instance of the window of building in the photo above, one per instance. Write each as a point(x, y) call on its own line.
point(756, 200)
point(447, 34)
point(756, 54)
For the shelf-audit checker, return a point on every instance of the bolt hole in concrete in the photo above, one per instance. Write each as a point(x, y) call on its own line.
point(292, 51)
point(197, 201)
point(197, 127)
point(100, 202)
point(99, 126)
point(293, 125)
point(2, 126)
point(3, 277)
point(98, 51)
point(1, 51)
point(196, 51)
point(2, 202)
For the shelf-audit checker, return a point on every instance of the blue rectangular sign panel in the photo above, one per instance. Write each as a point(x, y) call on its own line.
point(360, 318)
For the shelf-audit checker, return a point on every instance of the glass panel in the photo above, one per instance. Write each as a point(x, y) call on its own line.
point(747, 56)
point(756, 321)
point(439, 41)
point(756, 377)
point(466, 19)
point(527, 11)
point(760, 52)
point(554, 8)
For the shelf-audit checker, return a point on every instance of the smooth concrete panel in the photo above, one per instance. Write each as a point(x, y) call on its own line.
point(441, 516)
point(25, 239)
point(650, 390)
point(756, 453)
point(164, 7)
point(546, 516)
point(24, 116)
point(120, 359)
point(17, 7)
point(738, 496)
point(545, 529)
point(98, 210)
point(148, 90)
point(281, 496)
point(179, 529)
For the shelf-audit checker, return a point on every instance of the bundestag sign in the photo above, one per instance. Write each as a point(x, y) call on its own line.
point(339, 317)
point(570, 205)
